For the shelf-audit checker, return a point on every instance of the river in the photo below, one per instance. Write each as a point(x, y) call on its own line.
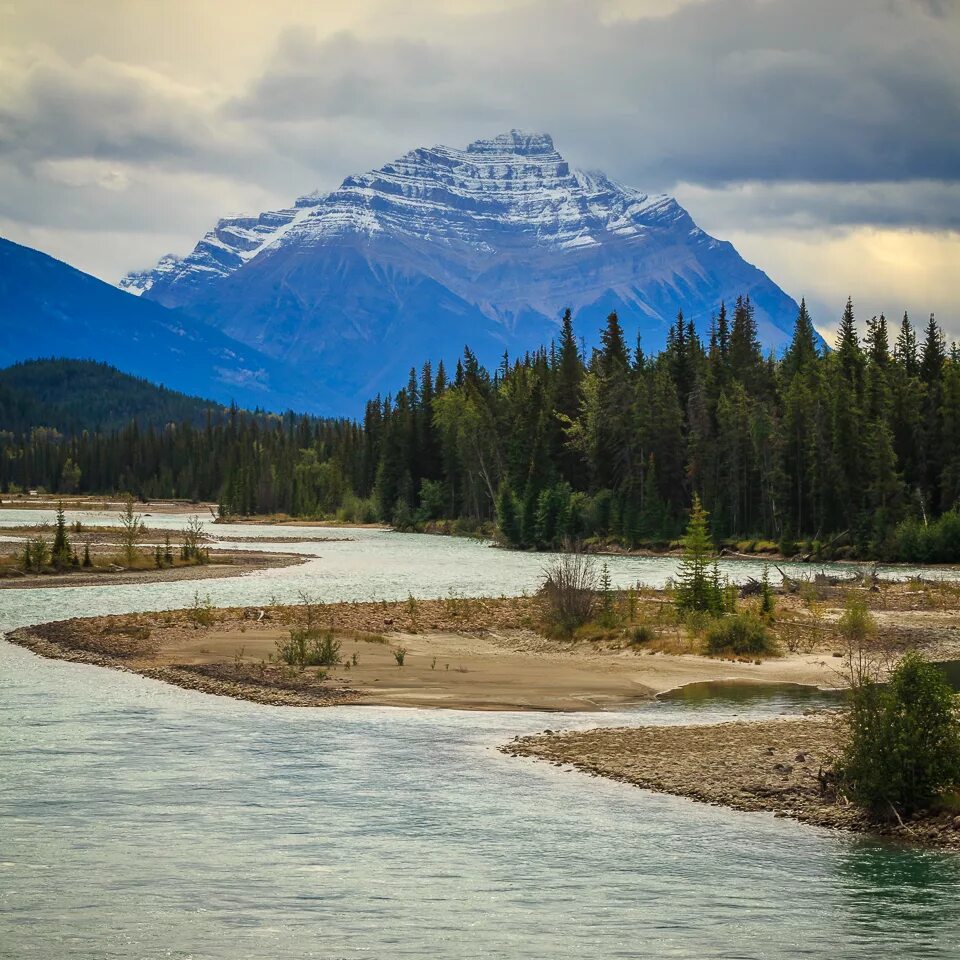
point(139, 820)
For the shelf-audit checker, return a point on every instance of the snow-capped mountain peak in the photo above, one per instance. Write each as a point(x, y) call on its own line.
point(488, 243)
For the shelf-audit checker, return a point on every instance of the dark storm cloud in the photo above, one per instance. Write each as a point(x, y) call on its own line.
point(720, 92)
point(344, 76)
point(762, 116)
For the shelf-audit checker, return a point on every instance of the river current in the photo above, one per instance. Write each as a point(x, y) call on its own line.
point(138, 820)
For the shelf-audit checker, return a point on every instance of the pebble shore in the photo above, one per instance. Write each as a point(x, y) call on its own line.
point(772, 766)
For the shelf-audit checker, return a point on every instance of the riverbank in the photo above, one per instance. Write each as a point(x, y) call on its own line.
point(466, 654)
point(772, 766)
point(223, 563)
point(206, 511)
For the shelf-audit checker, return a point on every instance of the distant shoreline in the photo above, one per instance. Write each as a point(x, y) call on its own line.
point(207, 512)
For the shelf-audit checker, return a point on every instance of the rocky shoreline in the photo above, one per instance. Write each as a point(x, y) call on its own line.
point(268, 691)
point(774, 766)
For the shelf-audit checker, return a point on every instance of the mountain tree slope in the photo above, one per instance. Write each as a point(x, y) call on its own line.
point(49, 308)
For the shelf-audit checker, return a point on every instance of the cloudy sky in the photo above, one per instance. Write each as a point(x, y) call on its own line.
point(822, 138)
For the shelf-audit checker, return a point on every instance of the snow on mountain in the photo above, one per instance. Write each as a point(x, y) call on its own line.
point(141, 281)
point(444, 247)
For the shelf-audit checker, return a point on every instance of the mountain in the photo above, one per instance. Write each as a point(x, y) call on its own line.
point(76, 395)
point(444, 247)
point(48, 308)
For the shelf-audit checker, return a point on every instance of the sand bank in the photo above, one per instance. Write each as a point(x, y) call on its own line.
point(461, 654)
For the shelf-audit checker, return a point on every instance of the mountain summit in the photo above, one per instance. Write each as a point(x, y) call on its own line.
point(443, 247)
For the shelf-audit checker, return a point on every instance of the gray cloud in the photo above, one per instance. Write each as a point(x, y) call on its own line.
point(924, 204)
point(764, 116)
point(719, 92)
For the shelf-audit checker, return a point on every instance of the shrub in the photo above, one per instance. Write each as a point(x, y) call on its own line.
point(307, 647)
point(354, 509)
point(400, 654)
point(865, 659)
point(738, 633)
point(902, 747)
point(201, 613)
point(934, 542)
point(568, 593)
point(642, 633)
point(768, 604)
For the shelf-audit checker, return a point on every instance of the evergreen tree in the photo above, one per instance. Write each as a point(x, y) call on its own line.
point(905, 349)
point(60, 552)
point(802, 351)
point(745, 355)
point(698, 582)
point(934, 353)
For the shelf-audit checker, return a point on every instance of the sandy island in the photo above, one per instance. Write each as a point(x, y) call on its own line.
point(465, 654)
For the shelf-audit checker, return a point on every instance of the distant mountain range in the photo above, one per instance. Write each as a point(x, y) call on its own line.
point(333, 299)
point(50, 309)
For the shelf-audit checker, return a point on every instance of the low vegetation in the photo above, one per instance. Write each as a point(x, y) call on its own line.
point(311, 647)
point(739, 633)
point(56, 550)
point(902, 748)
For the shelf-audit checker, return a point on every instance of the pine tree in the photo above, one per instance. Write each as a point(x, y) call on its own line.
point(723, 334)
point(697, 583)
point(615, 396)
point(803, 347)
point(934, 353)
point(905, 349)
point(745, 354)
point(60, 552)
point(849, 354)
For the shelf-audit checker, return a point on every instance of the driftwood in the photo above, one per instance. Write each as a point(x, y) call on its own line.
point(807, 557)
point(790, 584)
point(751, 588)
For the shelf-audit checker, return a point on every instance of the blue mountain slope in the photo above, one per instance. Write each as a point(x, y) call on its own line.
point(48, 308)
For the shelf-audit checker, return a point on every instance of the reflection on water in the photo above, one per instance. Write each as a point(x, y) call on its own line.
point(142, 821)
point(782, 696)
point(951, 669)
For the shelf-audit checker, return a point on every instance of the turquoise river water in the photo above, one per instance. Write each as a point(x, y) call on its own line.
point(139, 820)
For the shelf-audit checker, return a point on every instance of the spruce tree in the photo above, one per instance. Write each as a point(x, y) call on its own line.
point(803, 346)
point(745, 354)
point(698, 585)
point(60, 552)
point(934, 353)
point(905, 349)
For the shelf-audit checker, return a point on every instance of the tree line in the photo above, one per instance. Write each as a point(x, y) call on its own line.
point(855, 449)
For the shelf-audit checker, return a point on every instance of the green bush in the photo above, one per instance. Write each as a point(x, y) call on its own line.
point(738, 633)
point(641, 634)
point(201, 612)
point(902, 748)
point(309, 648)
point(934, 542)
point(354, 509)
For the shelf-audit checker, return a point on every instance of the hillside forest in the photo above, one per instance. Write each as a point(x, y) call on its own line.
point(853, 451)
